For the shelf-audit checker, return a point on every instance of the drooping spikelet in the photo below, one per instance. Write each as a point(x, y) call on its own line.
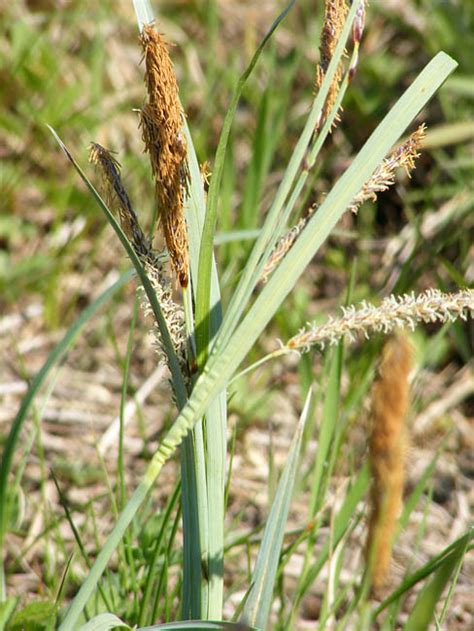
point(115, 194)
point(384, 174)
point(334, 17)
point(152, 261)
point(382, 178)
point(393, 313)
point(161, 122)
point(387, 447)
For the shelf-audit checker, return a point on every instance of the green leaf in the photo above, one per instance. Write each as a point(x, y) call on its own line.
point(425, 605)
point(270, 230)
point(426, 570)
point(200, 625)
point(36, 616)
point(104, 622)
point(6, 609)
point(205, 253)
point(258, 603)
point(177, 377)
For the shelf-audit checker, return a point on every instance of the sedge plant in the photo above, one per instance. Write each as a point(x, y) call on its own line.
point(204, 342)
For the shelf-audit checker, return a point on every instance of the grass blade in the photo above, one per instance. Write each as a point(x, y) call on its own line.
point(426, 570)
point(205, 254)
point(258, 603)
point(251, 272)
point(425, 605)
point(173, 364)
point(53, 358)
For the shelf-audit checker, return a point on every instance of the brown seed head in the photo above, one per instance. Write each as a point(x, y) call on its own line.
point(334, 18)
point(388, 446)
point(115, 193)
point(161, 123)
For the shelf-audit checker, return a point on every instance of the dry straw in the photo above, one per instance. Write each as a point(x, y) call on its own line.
point(153, 263)
point(161, 121)
point(387, 447)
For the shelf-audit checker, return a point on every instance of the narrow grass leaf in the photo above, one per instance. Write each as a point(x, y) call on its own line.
point(257, 606)
point(205, 254)
point(215, 428)
point(328, 426)
point(251, 273)
point(104, 622)
point(53, 358)
point(177, 377)
point(199, 625)
point(425, 605)
point(427, 569)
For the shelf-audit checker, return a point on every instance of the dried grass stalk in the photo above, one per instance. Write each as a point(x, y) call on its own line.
point(387, 447)
point(161, 122)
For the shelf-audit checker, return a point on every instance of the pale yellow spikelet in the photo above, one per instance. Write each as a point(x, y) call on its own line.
point(395, 312)
point(161, 121)
point(388, 448)
point(384, 175)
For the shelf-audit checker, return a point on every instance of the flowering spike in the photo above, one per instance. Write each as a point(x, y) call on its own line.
point(387, 449)
point(161, 122)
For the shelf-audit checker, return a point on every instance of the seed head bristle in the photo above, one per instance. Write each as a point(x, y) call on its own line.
point(161, 121)
point(284, 244)
point(382, 178)
point(334, 17)
point(387, 450)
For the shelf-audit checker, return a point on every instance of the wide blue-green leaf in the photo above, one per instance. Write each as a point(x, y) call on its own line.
point(104, 622)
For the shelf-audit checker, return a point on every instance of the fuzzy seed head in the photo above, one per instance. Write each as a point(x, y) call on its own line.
point(162, 131)
point(387, 449)
point(384, 175)
point(152, 261)
point(395, 312)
